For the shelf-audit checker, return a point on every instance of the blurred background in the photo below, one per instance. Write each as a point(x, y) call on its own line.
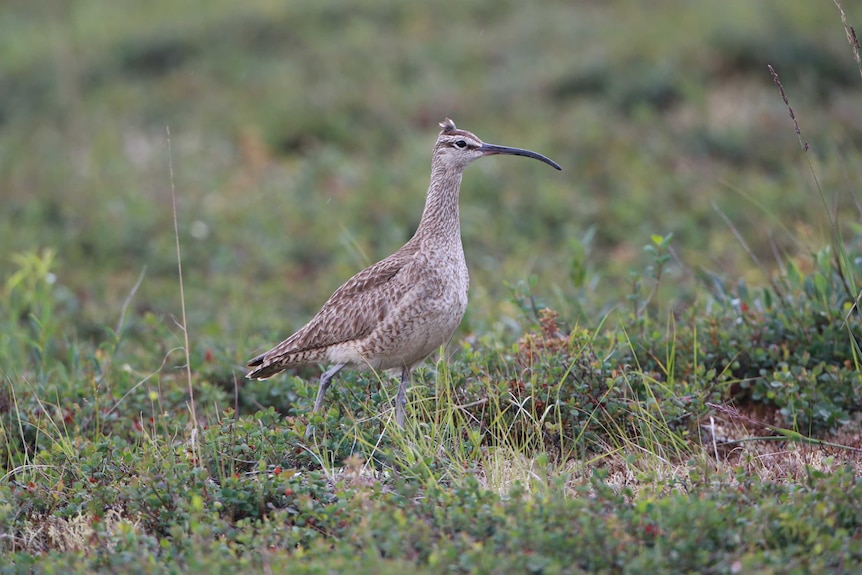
point(301, 132)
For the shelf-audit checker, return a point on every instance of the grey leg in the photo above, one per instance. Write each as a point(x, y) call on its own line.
point(325, 380)
point(401, 399)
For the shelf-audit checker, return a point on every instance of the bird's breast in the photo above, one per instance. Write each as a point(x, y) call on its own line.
point(425, 317)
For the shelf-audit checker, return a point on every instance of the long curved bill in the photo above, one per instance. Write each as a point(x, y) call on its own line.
point(491, 149)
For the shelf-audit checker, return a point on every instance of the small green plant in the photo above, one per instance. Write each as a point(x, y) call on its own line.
point(793, 345)
point(29, 298)
point(658, 252)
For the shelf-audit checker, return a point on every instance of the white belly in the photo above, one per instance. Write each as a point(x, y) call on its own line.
point(417, 327)
point(423, 319)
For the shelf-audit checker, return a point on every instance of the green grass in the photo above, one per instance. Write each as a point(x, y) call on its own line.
point(659, 371)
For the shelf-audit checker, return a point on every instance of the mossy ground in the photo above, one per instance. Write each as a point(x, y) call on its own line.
point(659, 369)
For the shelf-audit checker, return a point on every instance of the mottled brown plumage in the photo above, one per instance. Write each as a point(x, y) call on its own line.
point(397, 312)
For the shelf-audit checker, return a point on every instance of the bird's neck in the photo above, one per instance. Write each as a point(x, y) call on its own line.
point(440, 220)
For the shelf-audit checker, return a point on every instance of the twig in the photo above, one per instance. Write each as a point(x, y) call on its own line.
point(749, 251)
point(789, 108)
point(128, 300)
point(185, 325)
point(783, 434)
point(852, 38)
point(738, 237)
point(143, 381)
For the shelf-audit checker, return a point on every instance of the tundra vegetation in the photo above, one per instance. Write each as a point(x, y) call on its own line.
point(659, 370)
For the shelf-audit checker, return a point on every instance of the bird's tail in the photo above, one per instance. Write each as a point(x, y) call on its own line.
point(263, 370)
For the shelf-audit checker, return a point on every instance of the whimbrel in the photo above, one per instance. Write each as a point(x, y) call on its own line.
point(400, 310)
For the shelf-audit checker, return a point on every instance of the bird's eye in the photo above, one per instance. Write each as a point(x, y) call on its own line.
point(461, 144)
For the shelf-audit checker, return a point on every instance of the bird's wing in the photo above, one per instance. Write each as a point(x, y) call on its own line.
point(351, 312)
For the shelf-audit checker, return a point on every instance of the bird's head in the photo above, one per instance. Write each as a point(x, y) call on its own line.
point(456, 149)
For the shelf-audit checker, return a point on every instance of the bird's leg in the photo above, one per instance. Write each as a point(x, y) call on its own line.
point(325, 380)
point(401, 399)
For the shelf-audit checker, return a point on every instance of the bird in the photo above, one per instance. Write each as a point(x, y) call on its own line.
point(397, 312)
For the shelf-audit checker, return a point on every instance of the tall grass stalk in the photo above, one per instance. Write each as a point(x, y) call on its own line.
point(843, 265)
point(185, 325)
